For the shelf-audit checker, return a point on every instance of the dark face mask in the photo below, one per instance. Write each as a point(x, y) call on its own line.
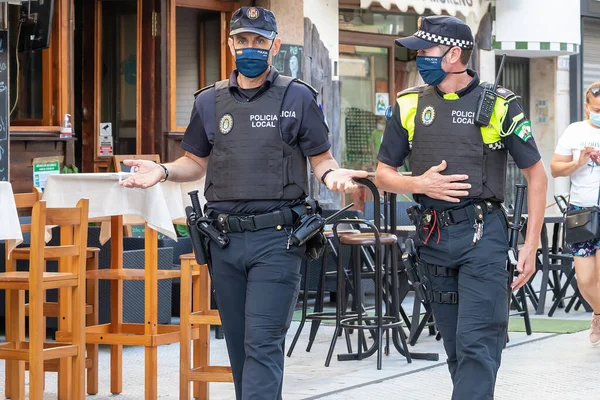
point(252, 62)
point(431, 70)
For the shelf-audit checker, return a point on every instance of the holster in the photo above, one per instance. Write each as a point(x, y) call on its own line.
point(419, 273)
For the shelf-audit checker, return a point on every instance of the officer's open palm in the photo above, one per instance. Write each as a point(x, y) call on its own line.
point(341, 180)
point(443, 187)
point(148, 174)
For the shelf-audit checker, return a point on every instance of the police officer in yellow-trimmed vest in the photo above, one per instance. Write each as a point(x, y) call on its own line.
point(458, 178)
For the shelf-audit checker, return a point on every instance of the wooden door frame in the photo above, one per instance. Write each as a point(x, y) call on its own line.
point(145, 68)
point(227, 62)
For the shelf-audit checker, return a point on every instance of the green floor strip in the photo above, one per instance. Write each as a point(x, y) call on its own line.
point(549, 325)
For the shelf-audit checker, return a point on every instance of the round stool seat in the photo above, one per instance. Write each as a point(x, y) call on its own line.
point(341, 232)
point(368, 239)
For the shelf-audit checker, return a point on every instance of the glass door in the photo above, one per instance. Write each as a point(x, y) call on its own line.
point(118, 76)
point(364, 72)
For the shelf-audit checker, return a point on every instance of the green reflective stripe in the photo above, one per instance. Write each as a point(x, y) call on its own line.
point(408, 109)
point(451, 96)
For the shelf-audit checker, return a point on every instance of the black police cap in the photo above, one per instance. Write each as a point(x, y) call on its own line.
point(439, 30)
point(254, 20)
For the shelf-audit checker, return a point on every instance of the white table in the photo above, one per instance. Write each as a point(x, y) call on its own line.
point(10, 228)
point(158, 207)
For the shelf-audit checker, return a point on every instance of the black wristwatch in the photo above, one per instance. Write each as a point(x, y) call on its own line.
point(166, 171)
point(325, 174)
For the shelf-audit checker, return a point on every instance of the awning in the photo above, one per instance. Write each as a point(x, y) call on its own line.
point(471, 10)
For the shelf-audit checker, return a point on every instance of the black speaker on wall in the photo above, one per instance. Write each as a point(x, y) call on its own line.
point(35, 24)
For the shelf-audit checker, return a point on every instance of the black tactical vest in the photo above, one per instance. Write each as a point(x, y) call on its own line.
point(445, 130)
point(249, 159)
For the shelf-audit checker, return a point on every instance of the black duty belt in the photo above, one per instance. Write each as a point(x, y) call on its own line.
point(452, 217)
point(279, 219)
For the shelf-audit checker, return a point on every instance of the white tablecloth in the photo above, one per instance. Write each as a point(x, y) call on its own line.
point(160, 206)
point(10, 228)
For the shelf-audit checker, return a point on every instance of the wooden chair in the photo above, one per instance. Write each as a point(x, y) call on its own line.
point(196, 317)
point(51, 309)
point(71, 278)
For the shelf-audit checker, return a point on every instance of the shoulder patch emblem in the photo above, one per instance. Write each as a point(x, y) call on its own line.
point(388, 112)
point(428, 115)
point(226, 124)
point(523, 130)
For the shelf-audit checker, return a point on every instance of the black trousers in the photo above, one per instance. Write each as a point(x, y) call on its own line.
point(257, 280)
point(474, 330)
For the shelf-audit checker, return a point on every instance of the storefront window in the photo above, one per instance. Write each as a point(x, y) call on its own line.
point(364, 74)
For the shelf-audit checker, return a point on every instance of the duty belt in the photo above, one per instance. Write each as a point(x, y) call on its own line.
point(452, 217)
point(241, 223)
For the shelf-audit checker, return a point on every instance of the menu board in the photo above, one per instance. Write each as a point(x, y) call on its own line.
point(4, 102)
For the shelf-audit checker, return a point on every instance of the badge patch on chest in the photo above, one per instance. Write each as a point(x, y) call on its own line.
point(428, 115)
point(226, 124)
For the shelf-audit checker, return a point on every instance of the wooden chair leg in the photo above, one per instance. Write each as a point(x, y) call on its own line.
point(202, 345)
point(36, 344)
point(15, 332)
point(184, 325)
point(200, 388)
point(78, 329)
point(92, 319)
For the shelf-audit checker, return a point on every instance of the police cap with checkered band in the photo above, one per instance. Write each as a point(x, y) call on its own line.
point(439, 30)
point(254, 20)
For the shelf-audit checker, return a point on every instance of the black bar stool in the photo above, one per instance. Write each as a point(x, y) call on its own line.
point(318, 314)
point(385, 276)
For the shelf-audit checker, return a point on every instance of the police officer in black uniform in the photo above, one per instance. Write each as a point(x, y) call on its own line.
point(251, 135)
point(459, 173)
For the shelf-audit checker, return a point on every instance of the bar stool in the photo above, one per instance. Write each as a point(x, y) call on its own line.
point(318, 314)
point(196, 317)
point(72, 252)
point(385, 277)
point(51, 309)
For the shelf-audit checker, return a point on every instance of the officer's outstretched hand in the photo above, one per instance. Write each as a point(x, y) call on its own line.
point(341, 180)
point(443, 187)
point(148, 174)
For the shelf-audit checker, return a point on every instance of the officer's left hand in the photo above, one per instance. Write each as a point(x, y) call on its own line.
point(525, 266)
point(341, 180)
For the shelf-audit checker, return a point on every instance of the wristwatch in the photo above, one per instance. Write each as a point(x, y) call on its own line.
point(166, 172)
point(325, 174)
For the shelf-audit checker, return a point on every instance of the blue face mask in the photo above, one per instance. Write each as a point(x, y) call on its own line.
point(252, 62)
point(431, 70)
point(595, 118)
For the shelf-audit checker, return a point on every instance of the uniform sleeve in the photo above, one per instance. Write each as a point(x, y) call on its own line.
point(394, 146)
point(520, 143)
point(313, 134)
point(195, 139)
point(564, 147)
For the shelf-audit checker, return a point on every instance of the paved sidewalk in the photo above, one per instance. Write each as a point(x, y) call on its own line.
point(561, 367)
point(545, 366)
point(540, 366)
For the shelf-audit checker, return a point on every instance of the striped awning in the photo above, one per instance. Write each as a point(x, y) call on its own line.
point(470, 9)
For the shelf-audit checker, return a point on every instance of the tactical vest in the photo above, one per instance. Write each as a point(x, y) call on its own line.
point(249, 159)
point(445, 130)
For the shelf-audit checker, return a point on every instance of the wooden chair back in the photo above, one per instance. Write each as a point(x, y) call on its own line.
point(73, 223)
